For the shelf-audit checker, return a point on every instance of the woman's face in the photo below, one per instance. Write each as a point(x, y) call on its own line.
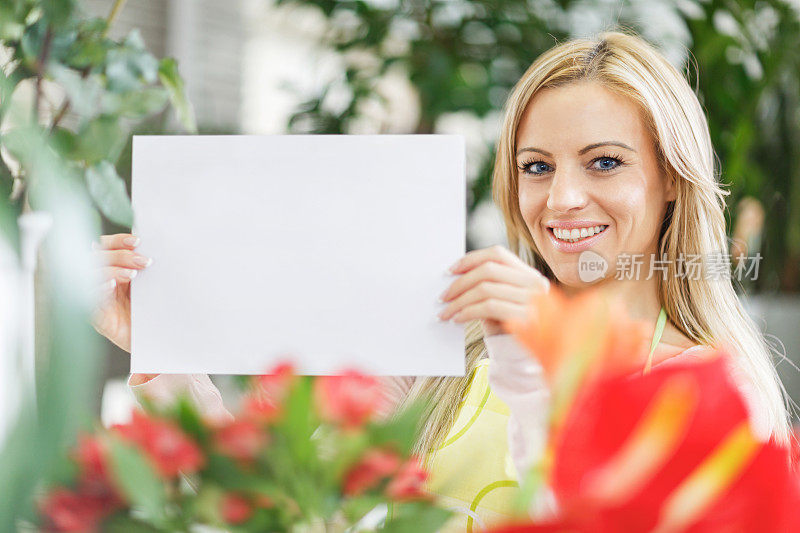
point(586, 162)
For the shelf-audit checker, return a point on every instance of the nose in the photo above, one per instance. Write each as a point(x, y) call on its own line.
point(567, 191)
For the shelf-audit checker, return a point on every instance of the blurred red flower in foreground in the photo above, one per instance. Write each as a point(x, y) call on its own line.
point(67, 510)
point(671, 450)
point(163, 442)
point(406, 480)
point(349, 400)
point(376, 466)
point(94, 498)
point(264, 403)
point(240, 439)
point(235, 509)
point(409, 482)
point(90, 455)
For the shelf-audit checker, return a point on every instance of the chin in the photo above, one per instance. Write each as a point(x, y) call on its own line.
point(568, 271)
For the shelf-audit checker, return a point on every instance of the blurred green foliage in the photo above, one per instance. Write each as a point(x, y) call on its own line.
point(747, 55)
point(465, 55)
point(68, 98)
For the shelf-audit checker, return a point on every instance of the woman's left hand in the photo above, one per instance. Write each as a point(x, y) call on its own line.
point(493, 285)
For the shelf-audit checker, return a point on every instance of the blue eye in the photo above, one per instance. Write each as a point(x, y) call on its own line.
point(606, 163)
point(535, 167)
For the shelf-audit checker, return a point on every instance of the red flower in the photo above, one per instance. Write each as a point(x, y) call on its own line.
point(409, 482)
point(66, 510)
point(350, 399)
point(668, 451)
point(170, 450)
point(276, 385)
point(585, 330)
point(90, 454)
point(374, 467)
point(240, 439)
point(235, 509)
point(260, 409)
point(264, 403)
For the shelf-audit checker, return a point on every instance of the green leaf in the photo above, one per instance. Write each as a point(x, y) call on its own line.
point(57, 12)
point(11, 28)
point(23, 143)
point(190, 420)
point(354, 509)
point(130, 65)
point(107, 190)
point(122, 523)
point(9, 212)
point(83, 93)
point(33, 38)
point(172, 81)
point(64, 141)
point(138, 481)
point(135, 104)
point(417, 517)
point(401, 430)
point(100, 139)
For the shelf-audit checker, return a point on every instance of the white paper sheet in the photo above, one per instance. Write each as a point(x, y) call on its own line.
point(327, 249)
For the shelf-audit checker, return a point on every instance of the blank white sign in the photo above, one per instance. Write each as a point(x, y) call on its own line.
point(326, 250)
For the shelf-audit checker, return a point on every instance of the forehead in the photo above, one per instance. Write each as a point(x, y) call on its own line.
point(570, 117)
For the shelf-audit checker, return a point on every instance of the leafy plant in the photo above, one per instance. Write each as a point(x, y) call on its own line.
point(68, 96)
point(747, 56)
point(304, 452)
point(465, 55)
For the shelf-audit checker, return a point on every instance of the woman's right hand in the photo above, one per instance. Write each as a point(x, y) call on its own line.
point(120, 264)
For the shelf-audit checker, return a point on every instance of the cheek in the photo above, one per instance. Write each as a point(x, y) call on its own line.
point(631, 205)
point(531, 202)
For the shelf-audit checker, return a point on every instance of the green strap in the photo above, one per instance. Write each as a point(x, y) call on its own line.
point(662, 320)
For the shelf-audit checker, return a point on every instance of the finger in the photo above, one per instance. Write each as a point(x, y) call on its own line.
point(497, 253)
point(484, 291)
point(491, 309)
point(123, 258)
point(489, 271)
point(118, 240)
point(106, 290)
point(122, 275)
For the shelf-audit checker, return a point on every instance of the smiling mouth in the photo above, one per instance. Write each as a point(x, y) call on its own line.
point(576, 234)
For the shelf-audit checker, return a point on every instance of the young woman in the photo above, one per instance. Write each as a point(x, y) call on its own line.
point(604, 148)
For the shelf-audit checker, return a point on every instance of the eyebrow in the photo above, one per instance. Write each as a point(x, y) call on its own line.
point(582, 150)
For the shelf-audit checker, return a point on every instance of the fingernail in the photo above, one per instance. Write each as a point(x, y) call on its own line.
point(131, 273)
point(142, 260)
point(131, 241)
point(108, 286)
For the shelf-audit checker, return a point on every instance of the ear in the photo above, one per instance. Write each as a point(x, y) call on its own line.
point(671, 195)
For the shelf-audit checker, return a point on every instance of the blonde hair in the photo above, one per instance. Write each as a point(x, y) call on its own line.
point(707, 311)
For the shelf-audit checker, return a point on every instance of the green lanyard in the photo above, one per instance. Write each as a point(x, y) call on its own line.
point(662, 319)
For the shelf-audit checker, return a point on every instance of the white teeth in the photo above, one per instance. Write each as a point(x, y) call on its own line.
point(577, 234)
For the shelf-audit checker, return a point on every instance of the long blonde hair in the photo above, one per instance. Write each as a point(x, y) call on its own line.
point(707, 311)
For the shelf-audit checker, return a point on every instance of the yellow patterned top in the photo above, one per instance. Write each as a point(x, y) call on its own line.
point(472, 473)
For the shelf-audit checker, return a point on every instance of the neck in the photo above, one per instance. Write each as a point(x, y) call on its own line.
point(640, 297)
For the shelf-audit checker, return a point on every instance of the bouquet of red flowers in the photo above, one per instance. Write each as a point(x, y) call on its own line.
point(303, 454)
point(668, 450)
